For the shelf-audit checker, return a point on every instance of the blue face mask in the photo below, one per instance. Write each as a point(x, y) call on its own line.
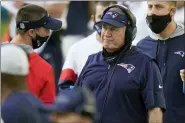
point(38, 41)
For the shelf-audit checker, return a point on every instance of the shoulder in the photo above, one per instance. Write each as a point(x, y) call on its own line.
point(79, 49)
point(143, 61)
point(95, 58)
point(147, 59)
point(180, 37)
point(39, 63)
point(144, 40)
point(140, 54)
point(85, 41)
point(97, 55)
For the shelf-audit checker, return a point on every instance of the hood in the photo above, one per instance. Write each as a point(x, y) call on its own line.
point(179, 31)
point(27, 48)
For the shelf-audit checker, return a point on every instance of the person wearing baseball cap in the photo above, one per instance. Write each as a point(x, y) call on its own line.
point(75, 105)
point(76, 57)
point(126, 82)
point(33, 25)
point(18, 105)
point(34, 22)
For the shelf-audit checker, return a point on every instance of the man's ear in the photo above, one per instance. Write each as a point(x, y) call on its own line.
point(93, 18)
point(173, 11)
point(31, 32)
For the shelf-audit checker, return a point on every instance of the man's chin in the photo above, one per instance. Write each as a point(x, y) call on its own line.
point(109, 49)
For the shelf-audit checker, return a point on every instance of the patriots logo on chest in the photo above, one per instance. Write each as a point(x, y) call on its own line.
point(128, 67)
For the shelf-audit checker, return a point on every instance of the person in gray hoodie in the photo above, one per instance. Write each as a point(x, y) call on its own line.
point(166, 44)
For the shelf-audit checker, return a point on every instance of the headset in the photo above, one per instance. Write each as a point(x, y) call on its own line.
point(130, 36)
point(131, 28)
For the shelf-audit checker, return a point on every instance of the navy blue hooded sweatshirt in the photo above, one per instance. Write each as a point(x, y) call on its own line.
point(170, 56)
point(125, 88)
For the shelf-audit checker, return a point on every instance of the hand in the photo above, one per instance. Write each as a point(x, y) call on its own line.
point(182, 74)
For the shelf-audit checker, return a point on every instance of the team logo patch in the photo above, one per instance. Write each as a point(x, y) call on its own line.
point(22, 26)
point(128, 67)
point(181, 53)
point(38, 43)
point(112, 14)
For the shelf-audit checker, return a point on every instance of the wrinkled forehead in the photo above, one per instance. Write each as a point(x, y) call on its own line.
point(65, 114)
point(108, 25)
point(157, 3)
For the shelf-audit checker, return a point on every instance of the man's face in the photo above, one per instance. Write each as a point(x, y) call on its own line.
point(160, 8)
point(113, 38)
point(43, 32)
point(86, 120)
point(66, 118)
point(99, 12)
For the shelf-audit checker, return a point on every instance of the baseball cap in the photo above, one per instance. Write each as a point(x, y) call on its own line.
point(46, 22)
point(23, 107)
point(14, 60)
point(97, 27)
point(115, 17)
point(76, 100)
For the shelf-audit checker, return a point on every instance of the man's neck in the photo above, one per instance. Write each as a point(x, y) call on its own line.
point(169, 30)
point(19, 39)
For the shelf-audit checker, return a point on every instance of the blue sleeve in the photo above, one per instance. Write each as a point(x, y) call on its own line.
point(152, 87)
point(140, 43)
point(80, 78)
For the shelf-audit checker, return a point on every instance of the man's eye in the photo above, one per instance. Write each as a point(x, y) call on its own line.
point(104, 26)
point(150, 7)
point(114, 29)
point(159, 7)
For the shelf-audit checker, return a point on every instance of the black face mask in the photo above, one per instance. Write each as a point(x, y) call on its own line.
point(158, 23)
point(38, 41)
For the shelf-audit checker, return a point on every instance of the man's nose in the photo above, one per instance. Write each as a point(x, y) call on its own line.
point(152, 11)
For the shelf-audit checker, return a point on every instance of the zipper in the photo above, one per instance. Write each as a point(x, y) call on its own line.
point(164, 42)
point(164, 59)
point(106, 95)
point(109, 67)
